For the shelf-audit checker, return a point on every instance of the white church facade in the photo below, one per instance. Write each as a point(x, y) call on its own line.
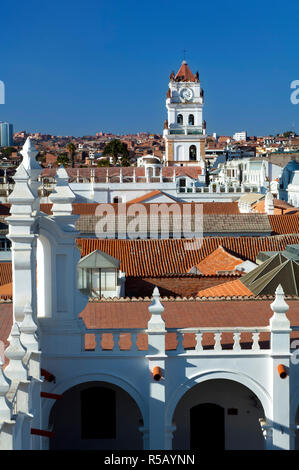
point(156, 390)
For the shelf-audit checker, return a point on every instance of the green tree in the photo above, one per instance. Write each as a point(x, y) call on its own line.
point(287, 134)
point(116, 149)
point(7, 151)
point(103, 162)
point(63, 159)
point(125, 161)
point(72, 150)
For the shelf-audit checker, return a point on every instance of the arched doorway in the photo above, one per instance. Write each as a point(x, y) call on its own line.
point(218, 414)
point(96, 416)
point(297, 430)
point(208, 437)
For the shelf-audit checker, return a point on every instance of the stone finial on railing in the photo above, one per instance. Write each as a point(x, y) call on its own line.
point(29, 154)
point(31, 165)
point(15, 353)
point(62, 197)
point(5, 412)
point(156, 322)
point(156, 326)
point(280, 324)
point(21, 198)
point(28, 329)
point(279, 319)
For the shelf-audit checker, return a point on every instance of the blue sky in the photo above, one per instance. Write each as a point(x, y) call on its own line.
point(77, 68)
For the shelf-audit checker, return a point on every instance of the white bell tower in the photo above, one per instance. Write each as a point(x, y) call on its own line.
point(184, 130)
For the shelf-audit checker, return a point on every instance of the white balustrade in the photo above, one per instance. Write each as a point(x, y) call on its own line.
point(218, 344)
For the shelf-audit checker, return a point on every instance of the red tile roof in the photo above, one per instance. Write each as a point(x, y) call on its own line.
point(6, 291)
point(227, 289)
point(89, 208)
point(113, 172)
point(147, 196)
point(184, 314)
point(177, 314)
point(280, 207)
point(218, 260)
point(5, 273)
point(185, 74)
point(159, 257)
point(284, 224)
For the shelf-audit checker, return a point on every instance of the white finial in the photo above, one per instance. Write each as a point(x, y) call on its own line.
point(279, 319)
point(28, 329)
point(279, 305)
point(5, 412)
point(156, 309)
point(15, 353)
point(269, 203)
point(29, 153)
point(22, 198)
point(62, 197)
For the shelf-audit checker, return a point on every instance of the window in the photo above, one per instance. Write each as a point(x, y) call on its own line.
point(98, 413)
point(192, 153)
point(117, 200)
point(191, 120)
point(98, 280)
point(108, 279)
point(180, 119)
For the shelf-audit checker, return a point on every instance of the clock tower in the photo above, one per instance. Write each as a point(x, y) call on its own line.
point(184, 130)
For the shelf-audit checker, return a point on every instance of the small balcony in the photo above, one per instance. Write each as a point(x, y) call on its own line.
point(186, 130)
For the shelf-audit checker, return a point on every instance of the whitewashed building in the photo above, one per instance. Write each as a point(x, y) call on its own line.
point(289, 183)
point(154, 393)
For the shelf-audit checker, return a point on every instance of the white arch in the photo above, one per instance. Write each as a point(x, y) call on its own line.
point(238, 377)
point(108, 378)
point(294, 406)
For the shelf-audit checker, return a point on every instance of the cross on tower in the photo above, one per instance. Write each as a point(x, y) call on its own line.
point(184, 52)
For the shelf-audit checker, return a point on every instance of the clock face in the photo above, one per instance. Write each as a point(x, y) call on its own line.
point(186, 94)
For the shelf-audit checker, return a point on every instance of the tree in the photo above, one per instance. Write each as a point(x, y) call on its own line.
point(63, 159)
point(288, 133)
point(7, 151)
point(103, 162)
point(72, 150)
point(116, 149)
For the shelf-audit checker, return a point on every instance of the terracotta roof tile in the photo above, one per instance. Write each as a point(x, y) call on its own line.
point(218, 260)
point(6, 291)
point(233, 288)
point(185, 74)
point(127, 172)
point(89, 208)
point(186, 314)
point(159, 257)
point(5, 273)
point(284, 224)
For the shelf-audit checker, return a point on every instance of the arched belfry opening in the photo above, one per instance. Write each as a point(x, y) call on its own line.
point(96, 416)
point(218, 414)
point(191, 120)
point(180, 119)
point(192, 153)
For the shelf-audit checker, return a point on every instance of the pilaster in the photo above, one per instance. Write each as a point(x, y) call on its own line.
point(280, 353)
point(156, 357)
